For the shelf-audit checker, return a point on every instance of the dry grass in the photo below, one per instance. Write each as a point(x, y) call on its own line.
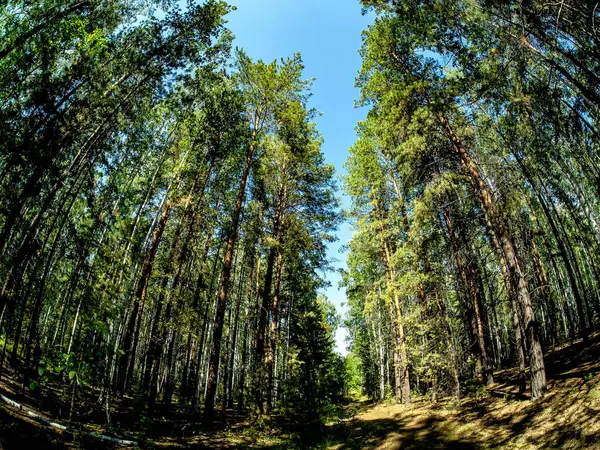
point(567, 418)
point(498, 418)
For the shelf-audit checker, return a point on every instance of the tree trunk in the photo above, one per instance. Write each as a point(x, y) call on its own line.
point(274, 328)
point(497, 227)
point(229, 380)
point(213, 370)
point(469, 277)
point(262, 364)
point(140, 297)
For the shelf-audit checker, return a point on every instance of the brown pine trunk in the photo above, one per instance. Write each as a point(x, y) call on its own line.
point(469, 278)
point(170, 368)
point(33, 326)
point(204, 333)
point(399, 330)
point(519, 344)
point(213, 370)
point(456, 363)
point(227, 355)
point(271, 361)
point(254, 363)
point(561, 244)
point(185, 375)
point(274, 331)
point(158, 335)
point(259, 373)
point(140, 297)
point(563, 250)
point(234, 341)
point(544, 288)
point(244, 362)
point(401, 378)
point(497, 227)
point(262, 363)
point(495, 330)
point(479, 321)
point(396, 357)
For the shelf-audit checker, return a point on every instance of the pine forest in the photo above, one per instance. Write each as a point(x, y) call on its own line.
point(187, 262)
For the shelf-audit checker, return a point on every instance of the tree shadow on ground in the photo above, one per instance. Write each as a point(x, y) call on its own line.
point(567, 417)
point(396, 433)
point(499, 417)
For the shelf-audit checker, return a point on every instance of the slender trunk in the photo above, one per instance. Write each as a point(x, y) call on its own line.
point(396, 313)
point(274, 331)
point(213, 370)
point(497, 227)
point(259, 374)
point(381, 358)
point(169, 369)
point(229, 380)
point(264, 364)
point(452, 347)
point(544, 287)
point(479, 321)
point(140, 297)
point(157, 335)
point(514, 314)
point(204, 332)
point(225, 357)
point(74, 327)
point(244, 361)
point(396, 356)
point(468, 277)
point(553, 227)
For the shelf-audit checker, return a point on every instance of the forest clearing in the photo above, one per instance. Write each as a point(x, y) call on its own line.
point(319, 224)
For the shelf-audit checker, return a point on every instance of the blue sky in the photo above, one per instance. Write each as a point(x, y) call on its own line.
point(327, 33)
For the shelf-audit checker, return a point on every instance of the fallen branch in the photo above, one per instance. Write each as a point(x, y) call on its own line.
point(46, 421)
point(111, 439)
point(11, 402)
point(64, 427)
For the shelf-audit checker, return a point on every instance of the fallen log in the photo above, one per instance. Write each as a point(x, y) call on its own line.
point(46, 421)
point(64, 428)
point(11, 402)
point(112, 439)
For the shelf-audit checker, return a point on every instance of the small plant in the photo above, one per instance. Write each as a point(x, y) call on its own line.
point(473, 386)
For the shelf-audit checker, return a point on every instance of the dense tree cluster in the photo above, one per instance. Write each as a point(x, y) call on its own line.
point(475, 192)
point(165, 206)
point(165, 209)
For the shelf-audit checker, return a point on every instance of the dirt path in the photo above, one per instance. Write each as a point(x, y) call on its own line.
point(568, 418)
point(487, 423)
point(494, 418)
point(395, 427)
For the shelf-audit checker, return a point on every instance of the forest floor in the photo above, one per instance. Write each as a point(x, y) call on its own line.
point(493, 418)
point(568, 417)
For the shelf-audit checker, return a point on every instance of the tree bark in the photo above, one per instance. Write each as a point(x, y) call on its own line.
point(497, 227)
point(209, 404)
point(140, 297)
point(469, 277)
